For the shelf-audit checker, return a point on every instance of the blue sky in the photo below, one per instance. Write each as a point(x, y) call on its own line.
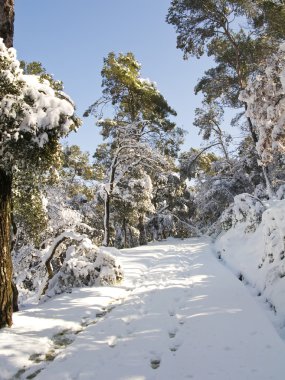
point(72, 37)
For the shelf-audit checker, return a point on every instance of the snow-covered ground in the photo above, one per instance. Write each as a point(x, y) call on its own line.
point(179, 314)
point(255, 251)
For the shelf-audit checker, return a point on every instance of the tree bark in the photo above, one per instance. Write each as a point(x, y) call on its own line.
point(6, 287)
point(8, 290)
point(7, 15)
point(265, 170)
point(141, 228)
point(108, 195)
point(106, 240)
point(125, 232)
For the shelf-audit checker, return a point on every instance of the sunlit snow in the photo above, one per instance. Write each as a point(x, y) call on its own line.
point(179, 314)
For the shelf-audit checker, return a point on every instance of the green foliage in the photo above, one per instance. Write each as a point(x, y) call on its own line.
point(135, 100)
point(134, 97)
point(199, 22)
point(77, 171)
point(268, 17)
point(28, 206)
point(141, 139)
point(239, 35)
point(196, 162)
point(208, 119)
point(210, 27)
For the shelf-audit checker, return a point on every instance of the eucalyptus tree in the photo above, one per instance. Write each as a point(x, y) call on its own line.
point(140, 131)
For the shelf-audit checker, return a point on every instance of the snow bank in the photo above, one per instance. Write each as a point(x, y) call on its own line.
point(254, 249)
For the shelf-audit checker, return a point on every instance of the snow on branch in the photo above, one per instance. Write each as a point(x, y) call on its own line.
point(32, 113)
point(265, 98)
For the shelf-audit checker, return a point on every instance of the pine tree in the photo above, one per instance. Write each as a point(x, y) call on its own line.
point(140, 133)
point(33, 117)
point(213, 27)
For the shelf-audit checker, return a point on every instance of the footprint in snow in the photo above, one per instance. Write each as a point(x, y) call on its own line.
point(171, 312)
point(155, 361)
point(130, 330)
point(172, 333)
point(174, 347)
point(181, 320)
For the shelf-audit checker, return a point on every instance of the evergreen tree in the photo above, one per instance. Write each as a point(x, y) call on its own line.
point(32, 119)
point(140, 133)
point(213, 27)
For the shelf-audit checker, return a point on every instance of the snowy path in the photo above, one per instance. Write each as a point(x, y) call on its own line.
point(179, 315)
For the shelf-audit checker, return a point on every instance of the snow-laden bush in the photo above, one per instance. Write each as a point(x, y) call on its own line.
point(72, 260)
point(85, 265)
point(29, 273)
point(258, 255)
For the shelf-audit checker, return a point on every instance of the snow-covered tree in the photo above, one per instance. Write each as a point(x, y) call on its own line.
point(132, 201)
point(209, 119)
point(238, 49)
point(33, 117)
point(140, 134)
point(265, 98)
point(215, 182)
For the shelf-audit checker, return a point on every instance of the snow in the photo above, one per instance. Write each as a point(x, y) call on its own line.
point(179, 314)
point(260, 258)
point(264, 96)
point(29, 108)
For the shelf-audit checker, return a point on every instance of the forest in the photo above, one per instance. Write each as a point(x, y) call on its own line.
point(60, 207)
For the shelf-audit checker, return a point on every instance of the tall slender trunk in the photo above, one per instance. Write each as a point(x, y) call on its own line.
point(8, 290)
point(106, 240)
point(108, 195)
point(125, 232)
point(6, 287)
point(265, 170)
point(7, 15)
point(141, 228)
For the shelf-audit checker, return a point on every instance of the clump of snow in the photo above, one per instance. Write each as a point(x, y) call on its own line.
point(30, 109)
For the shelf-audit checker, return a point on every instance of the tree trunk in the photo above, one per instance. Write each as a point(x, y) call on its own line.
point(6, 288)
point(108, 194)
point(7, 15)
point(125, 232)
point(141, 228)
point(106, 240)
point(265, 170)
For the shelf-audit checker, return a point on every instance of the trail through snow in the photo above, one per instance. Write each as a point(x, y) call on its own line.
point(179, 314)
